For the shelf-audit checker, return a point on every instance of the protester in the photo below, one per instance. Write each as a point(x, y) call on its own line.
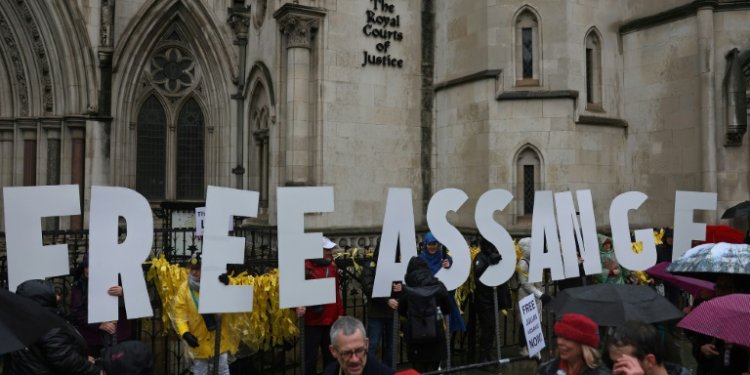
point(379, 312)
point(526, 288)
point(199, 331)
point(349, 346)
point(318, 319)
point(714, 356)
point(577, 340)
point(420, 300)
point(60, 351)
point(127, 358)
point(484, 299)
point(436, 258)
point(612, 272)
point(97, 335)
point(635, 348)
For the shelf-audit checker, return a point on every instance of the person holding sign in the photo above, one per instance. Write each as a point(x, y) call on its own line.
point(98, 335)
point(436, 258)
point(485, 301)
point(577, 340)
point(525, 287)
point(319, 318)
point(198, 331)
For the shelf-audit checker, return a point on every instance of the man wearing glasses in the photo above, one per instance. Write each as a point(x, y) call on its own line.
point(349, 346)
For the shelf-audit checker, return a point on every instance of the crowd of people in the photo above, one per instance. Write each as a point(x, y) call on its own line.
point(428, 314)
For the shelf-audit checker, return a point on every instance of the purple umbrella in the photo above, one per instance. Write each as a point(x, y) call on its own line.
point(691, 285)
point(724, 317)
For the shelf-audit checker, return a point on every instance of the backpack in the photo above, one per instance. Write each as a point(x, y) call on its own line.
point(422, 315)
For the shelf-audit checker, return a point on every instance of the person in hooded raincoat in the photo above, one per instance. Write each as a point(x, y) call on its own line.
point(197, 330)
point(425, 356)
point(60, 351)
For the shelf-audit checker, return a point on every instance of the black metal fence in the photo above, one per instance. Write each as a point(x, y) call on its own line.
point(260, 256)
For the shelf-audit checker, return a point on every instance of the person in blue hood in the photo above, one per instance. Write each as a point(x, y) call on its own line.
point(436, 257)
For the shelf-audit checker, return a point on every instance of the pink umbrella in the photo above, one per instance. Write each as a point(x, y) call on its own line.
point(723, 317)
point(694, 286)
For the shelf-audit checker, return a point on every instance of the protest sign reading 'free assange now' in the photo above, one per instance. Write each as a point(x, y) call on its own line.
point(555, 217)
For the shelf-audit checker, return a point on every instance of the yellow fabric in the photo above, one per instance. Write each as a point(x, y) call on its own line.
point(265, 326)
point(187, 319)
point(467, 288)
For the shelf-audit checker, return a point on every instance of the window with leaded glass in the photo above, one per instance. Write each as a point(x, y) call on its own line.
point(528, 58)
point(528, 189)
point(190, 143)
point(593, 71)
point(527, 48)
point(151, 150)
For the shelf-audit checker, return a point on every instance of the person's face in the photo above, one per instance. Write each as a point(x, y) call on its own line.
point(569, 351)
point(432, 247)
point(195, 272)
point(327, 253)
point(616, 352)
point(351, 352)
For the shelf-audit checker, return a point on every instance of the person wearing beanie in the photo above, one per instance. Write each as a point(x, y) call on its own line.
point(577, 342)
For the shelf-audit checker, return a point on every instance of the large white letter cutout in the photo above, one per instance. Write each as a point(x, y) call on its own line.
point(398, 228)
point(443, 201)
point(107, 258)
point(219, 249)
point(488, 203)
point(543, 226)
point(295, 246)
point(28, 258)
point(685, 230)
point(572, 232)
point(618, 220)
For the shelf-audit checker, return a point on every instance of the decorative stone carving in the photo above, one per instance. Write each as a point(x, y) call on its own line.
point(40, 53)
point(299, 30)
point(107, 22)
point(259, 14)
point(173, 70)
point(240, 23)
point(11, 48)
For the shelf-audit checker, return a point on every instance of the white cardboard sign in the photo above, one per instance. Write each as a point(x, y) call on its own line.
point(29, 259)
point(532, 324)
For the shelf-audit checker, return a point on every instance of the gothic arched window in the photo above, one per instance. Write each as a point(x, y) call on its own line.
point(151, 150)
point(189, 182)
point(593, 71)
point(528, 48)
point(528, 179)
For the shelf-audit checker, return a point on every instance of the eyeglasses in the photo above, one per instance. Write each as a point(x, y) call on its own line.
point(346, 355)
point(432, 243)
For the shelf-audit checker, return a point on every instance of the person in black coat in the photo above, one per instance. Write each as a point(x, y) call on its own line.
point(61, 351)
point(420, 284)
point(484, 300)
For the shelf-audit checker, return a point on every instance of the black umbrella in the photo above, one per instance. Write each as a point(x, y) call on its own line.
point(738, 210)
point(612, 305)
point(23, 321)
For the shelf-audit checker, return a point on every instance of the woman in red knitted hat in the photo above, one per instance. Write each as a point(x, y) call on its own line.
point(577, 354)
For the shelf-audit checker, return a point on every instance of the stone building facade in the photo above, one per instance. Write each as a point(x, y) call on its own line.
point(170, 96)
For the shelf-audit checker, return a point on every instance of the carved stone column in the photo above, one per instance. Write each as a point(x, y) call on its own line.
point(239, 20)
point(298, 26)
